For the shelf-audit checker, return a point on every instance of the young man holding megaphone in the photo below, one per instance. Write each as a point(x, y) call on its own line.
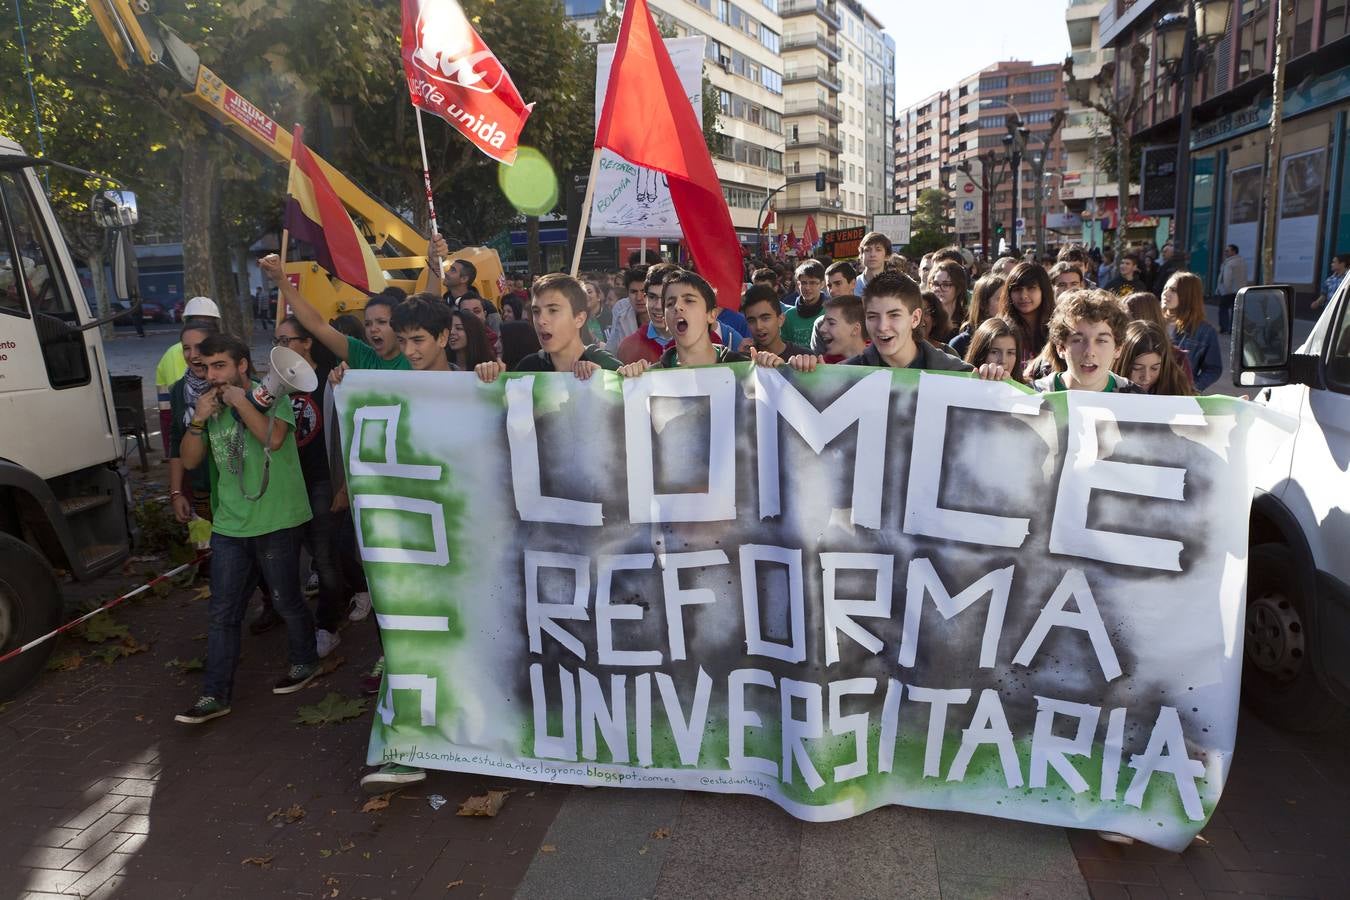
point(243, 430)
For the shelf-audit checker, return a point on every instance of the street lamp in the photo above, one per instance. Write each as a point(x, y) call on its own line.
point(1184, 44)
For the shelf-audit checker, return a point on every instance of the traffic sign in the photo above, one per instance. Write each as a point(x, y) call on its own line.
point(969, 187)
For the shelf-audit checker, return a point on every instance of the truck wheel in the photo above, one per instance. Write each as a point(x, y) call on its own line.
point(30, 606)
point(1280, 681)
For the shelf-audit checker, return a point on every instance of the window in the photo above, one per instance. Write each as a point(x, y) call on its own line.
point(1334, 21)
point(1338, 362)
point(582, 8)
point(1041, 97)
point(31, 282)
point(993, 83)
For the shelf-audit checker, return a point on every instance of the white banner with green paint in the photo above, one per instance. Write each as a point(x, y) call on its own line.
point(836, 591)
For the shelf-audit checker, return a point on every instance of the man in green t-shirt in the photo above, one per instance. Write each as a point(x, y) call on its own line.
point(382, 351)
point(258, 503)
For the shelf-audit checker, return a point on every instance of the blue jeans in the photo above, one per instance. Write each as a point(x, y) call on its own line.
point(236, 564)
point(320, 540)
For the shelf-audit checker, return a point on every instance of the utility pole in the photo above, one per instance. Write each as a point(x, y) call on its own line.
point(1016, 143)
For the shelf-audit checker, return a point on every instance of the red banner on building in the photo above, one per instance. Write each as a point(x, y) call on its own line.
point(453, 74)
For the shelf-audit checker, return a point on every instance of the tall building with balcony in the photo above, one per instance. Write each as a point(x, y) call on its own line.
point(970, 119)
point(813, 116)
point(744, 66)
point(1089, 185)
point(879, 118)
point(1231, 110)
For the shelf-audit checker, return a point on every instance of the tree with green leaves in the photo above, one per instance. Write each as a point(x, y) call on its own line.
point(929, 226)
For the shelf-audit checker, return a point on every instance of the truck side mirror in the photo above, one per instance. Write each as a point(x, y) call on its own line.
point(114, 209)
point(1262, 336)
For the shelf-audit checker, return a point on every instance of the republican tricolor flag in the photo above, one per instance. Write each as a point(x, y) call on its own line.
point(315, 215)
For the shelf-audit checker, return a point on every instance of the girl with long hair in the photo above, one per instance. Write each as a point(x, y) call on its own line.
point(998, 342)
point(468, 344)
point(984, 299)
point(949, 281)
point(1183, 302)
point(1027, 301)
point(1146, 359)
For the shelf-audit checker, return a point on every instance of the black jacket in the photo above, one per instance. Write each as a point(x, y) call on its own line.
point(928, 357)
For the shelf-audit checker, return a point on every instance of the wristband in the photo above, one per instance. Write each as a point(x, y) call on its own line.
point(197, 423)
point(173, 494)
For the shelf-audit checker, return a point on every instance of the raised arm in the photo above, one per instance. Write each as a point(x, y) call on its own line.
point(312, 320)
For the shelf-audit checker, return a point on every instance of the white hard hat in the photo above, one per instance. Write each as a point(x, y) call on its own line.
point(201, 306)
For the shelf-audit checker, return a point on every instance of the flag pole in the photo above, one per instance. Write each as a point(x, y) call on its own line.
point(426, 170)
point(281, 304)
point(586, 211)
point(643, 259)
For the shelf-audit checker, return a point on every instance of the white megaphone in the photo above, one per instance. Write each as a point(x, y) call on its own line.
point(289, 373)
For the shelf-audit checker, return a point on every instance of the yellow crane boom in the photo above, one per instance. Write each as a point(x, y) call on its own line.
point(138, 38)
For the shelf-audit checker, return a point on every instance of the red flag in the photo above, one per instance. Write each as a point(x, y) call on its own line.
point(647, 119)
point(453, 74)
point(810, 236)
point(768, 219)
point(315, 215)
point(791, 240)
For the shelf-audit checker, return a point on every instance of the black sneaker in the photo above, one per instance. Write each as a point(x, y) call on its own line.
point(204, 710)
point(296, 678)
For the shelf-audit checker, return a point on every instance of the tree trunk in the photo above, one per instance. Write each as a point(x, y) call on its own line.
point(239, 254)
point(222, 277)
point(1122, 189)
point(535, 255)
point(199, 177)
point(1039, 208)
point(94, 259)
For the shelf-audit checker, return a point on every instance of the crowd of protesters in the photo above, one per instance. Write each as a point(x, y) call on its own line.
point(273, 484)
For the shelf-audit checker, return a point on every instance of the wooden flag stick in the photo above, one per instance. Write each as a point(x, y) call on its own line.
point(426, 171)
point(586, 211)
point(281, 304)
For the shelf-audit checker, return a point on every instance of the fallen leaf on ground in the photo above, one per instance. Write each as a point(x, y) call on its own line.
point(65, 662)
point(196, 664)
point(261, 861)
point(344, 845)
point(102, 627)
point(377, 803)
point(548, 848)
point(293, 814)
point(642, 851)
point(332, 708)
point(454, 884)
point(202, 593)
point(325, 853)
point(330, 663)
point(661, 833)
point(488, 804)
point(126, 647)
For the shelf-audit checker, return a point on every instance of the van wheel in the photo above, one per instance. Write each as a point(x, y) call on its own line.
point(30, 606)
point(1281, 658)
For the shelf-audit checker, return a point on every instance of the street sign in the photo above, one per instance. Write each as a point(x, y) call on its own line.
point(894, 227)
point(969, 200)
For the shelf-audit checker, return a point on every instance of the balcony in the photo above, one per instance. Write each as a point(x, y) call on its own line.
point(822, 139)
point(797, 172)
point(826, 204)
point(814, 108)
point(811, 40)
point(826, 11)
point(1083, 125)
point(828, 77)
point(1084, 9)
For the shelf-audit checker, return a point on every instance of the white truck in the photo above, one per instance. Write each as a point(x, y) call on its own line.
point(1296, 671)
point(63, 499)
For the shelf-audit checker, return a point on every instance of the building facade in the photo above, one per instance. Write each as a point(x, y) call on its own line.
point(971, 118)
point(1229, 163)
point(745, 67)
point(1089, 188)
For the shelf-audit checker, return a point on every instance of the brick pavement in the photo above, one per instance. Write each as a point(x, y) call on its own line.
point(105, 795)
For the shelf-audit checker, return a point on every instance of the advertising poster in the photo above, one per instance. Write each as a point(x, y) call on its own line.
point(1244, 213)
point(1301, 190)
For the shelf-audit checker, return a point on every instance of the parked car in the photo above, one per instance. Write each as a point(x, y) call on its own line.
point(1296, 666)
point(154, 312)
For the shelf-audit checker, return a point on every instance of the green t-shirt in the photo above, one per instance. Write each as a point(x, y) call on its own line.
point(1058, 383)
point(798, 328)
point(285, 504)
point(360, 355)
point(172, 366)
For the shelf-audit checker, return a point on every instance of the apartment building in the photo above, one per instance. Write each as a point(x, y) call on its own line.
point(970, 119)
point(1231, 97)
point(1088, 190)
point(744, 65)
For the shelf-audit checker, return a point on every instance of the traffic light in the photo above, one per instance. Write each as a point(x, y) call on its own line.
point(820, 182)
point(998, 229)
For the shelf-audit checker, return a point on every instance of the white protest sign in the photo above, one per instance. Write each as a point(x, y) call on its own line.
point(895, 227)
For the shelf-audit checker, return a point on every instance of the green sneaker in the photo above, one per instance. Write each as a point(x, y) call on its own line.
point(296, 678)
point(204, 710)
point(391, 777)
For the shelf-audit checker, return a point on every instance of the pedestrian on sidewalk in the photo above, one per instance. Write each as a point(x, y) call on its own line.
point(1232, 278)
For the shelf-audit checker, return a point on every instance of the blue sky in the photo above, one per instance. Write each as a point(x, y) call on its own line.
point(939, 42)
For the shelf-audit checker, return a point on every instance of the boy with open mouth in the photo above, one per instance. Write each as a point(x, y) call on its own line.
point(690, 305)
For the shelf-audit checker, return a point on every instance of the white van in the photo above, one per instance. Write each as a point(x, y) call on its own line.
point(63, 501)
point(1296, 671)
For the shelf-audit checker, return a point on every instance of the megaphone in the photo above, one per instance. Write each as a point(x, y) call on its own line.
point(289, 373)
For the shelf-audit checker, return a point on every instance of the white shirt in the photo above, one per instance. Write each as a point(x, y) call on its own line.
point(1232, 275)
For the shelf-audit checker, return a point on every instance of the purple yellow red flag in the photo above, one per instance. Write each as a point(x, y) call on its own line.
point(315, 215)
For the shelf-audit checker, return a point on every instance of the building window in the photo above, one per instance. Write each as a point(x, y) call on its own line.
point(993, 83)
point(1334, 21)
point(1041, 97)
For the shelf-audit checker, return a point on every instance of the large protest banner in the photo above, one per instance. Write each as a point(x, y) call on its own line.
point(836, 591)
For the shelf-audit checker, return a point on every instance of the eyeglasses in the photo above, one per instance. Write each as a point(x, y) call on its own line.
point(284, 341)
point(942, 284)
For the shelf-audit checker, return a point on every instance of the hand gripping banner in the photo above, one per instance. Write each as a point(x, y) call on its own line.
point(836, 591)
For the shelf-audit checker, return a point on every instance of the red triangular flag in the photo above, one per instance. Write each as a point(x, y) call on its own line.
point(810, 236)
point(768, 219)
point(647, 119)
